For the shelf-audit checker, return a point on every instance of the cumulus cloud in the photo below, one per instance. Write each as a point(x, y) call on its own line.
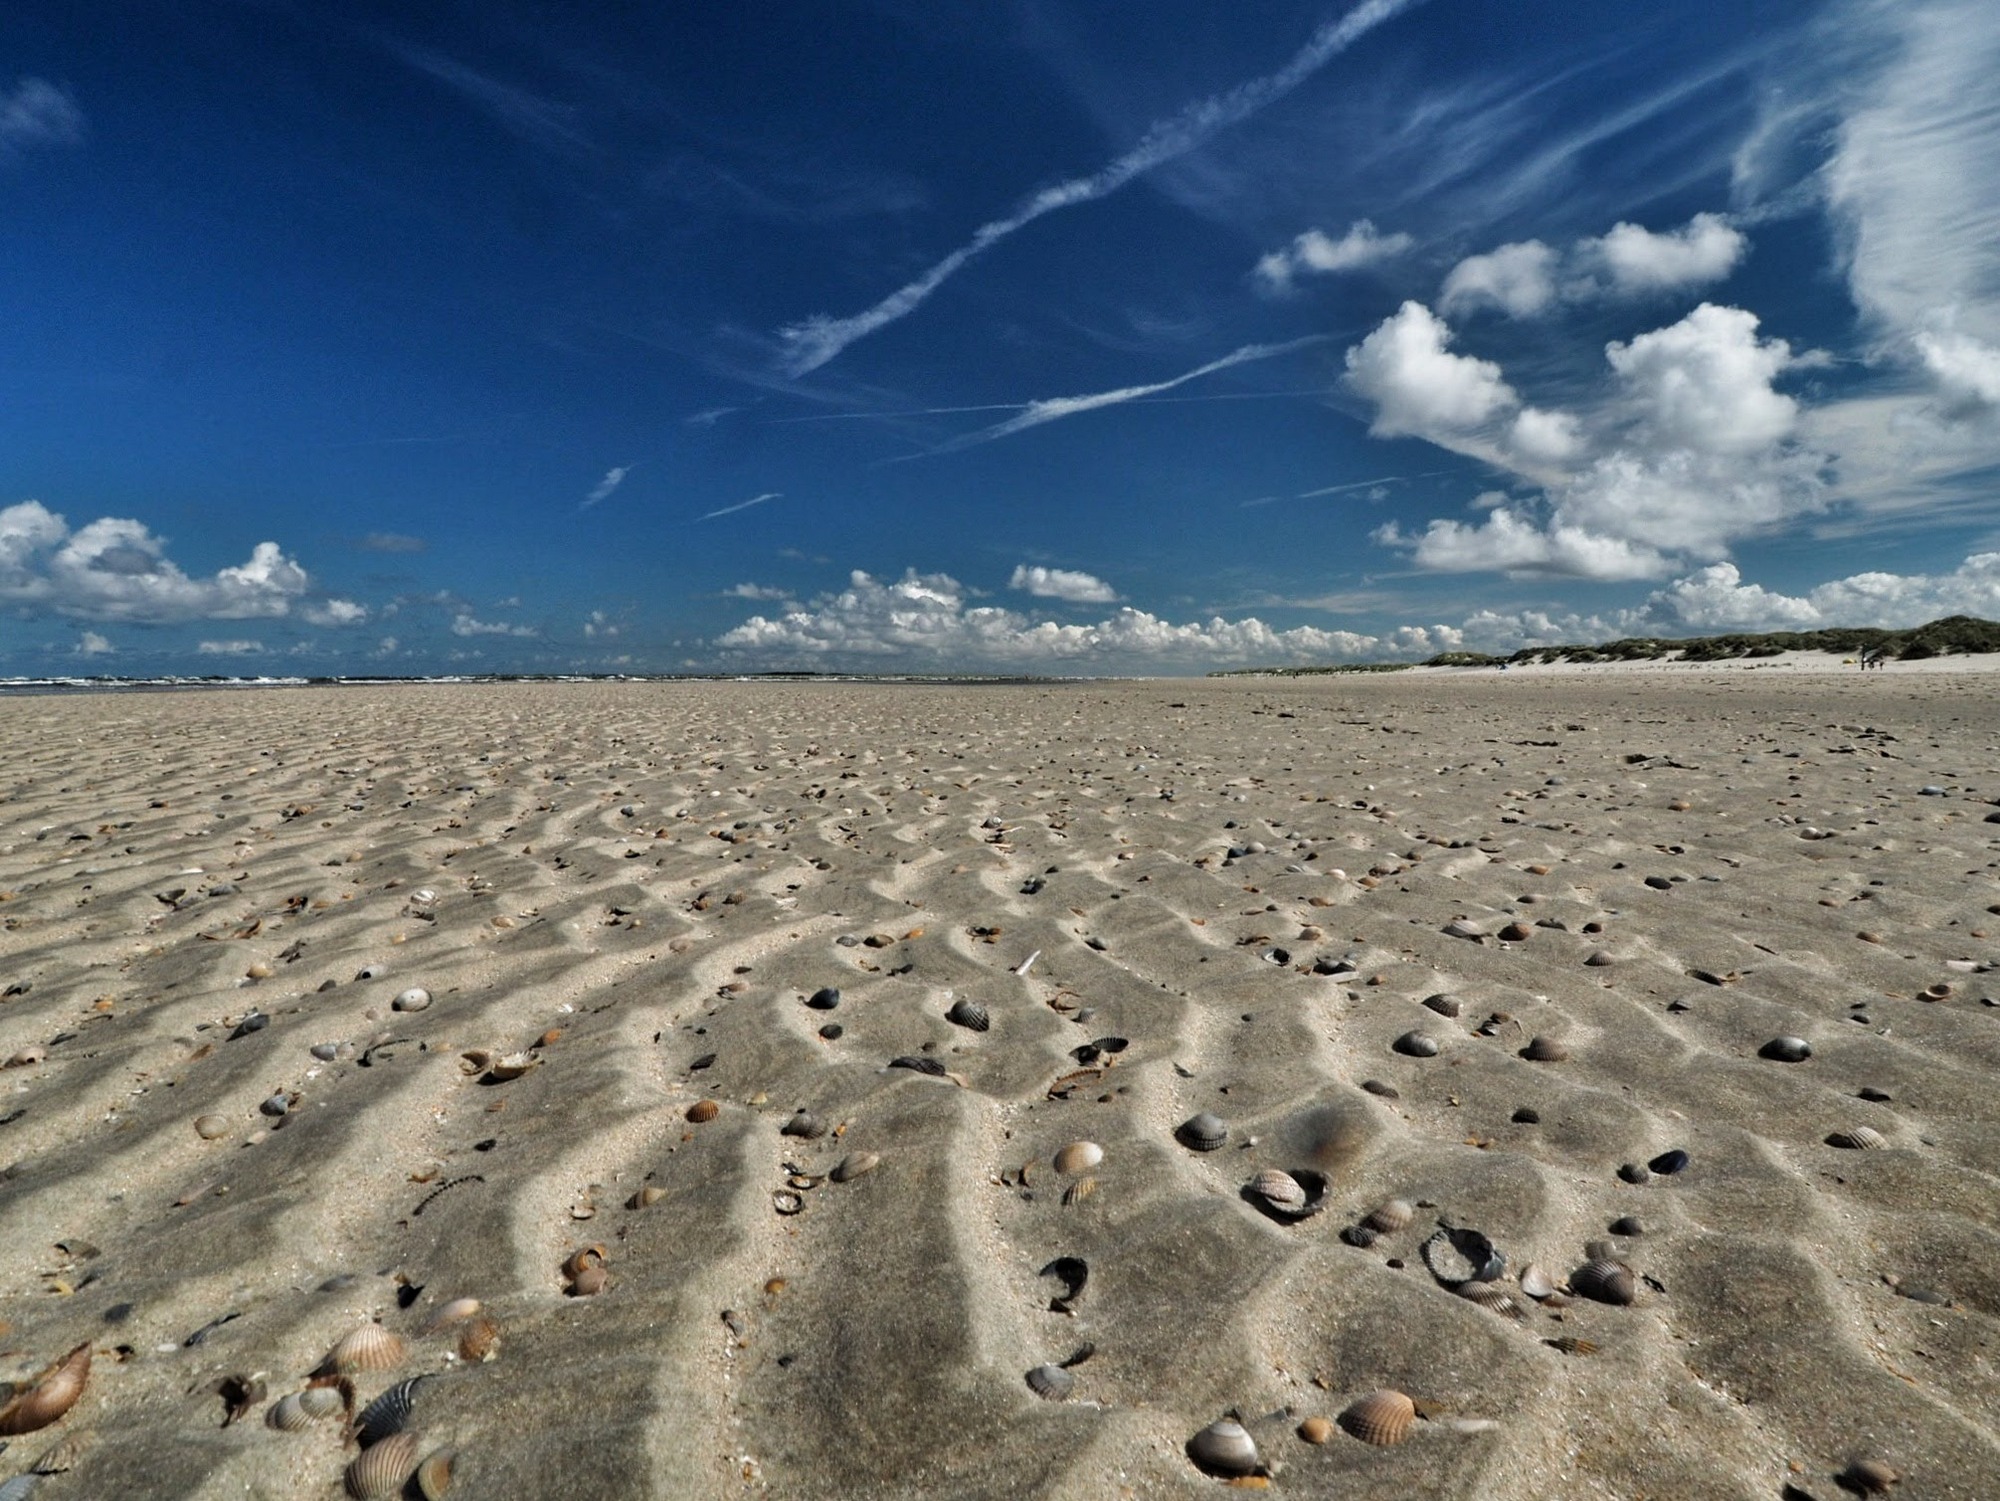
point(1519, 280)
point(601, 624)
point(91, 644)
point(115, 569)
point(1694, 450)
point(463, 624)
point(810, 344)
point(1316, 251)
point(1419, 387)
point(36, 112)
point(924, 619)
point(1062, 583)
point(1965, 370)
point(230, 648)
point(1529, 278)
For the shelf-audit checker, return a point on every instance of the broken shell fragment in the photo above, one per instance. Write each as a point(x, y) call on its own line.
point(1384, 1417)
point(384, 1469)
point(1225, 1449)
point(53, 1392)
point(1455, 1255)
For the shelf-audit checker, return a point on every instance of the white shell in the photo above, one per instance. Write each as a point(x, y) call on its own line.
point(1225, 1448)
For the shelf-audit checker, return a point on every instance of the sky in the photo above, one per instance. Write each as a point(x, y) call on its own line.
point(1033, 336)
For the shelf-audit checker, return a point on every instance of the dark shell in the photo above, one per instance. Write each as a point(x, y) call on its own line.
point(1454, 1256)
point(1360, 1236)
point(1606, 1281)
point(1544, 1050)
point(1669, 1163)
point(1073, 1272)
point(1786, 1050)
point(1202, 1133)
point(968, 1013)
point(1051, 1382)
point(1443, 1004)
point(1628, 1226)
point(1632, 1172)
point(803, 1124)
point(1381, 1090)
point(917, 1063)
point(1417, 1045)
point(388, 1414)
point(824, 999)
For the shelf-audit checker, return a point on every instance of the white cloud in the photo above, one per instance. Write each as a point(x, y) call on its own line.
point(1546, 437)
point(1966, 371)
point(1419, 387)
point(1508, 541)
point(91, 644)
point(1529, 278)
point(923, 619)
point(1517, 279)
point(1062, 583)
point(230, 648)
point(756, 591)
point(1637, 261)
point(741, 505)
point(600, 624)
point(115, 569)
point(463, 624)
point(386, 647)
point(1716, 598)
point(1704, 383)
point(810, 344)
point(36, 112)
point(1318, 252)
point(613, 478)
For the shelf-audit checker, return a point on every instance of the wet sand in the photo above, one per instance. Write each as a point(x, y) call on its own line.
point(620, 899)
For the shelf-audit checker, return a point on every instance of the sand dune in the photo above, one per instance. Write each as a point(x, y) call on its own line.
point(1237, 897)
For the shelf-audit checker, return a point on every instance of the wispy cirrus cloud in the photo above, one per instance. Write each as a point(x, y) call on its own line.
point(36, 112)
point(1055, 408)
point(816, 340)
point(613, 478)
point(529, 116)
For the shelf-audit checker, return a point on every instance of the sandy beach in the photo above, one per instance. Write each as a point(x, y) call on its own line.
point(647, 1016)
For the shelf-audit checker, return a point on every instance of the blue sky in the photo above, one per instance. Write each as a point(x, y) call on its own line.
point(1027, 336)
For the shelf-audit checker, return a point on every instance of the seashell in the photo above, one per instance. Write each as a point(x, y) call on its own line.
point(1454, 1256)
point(1600, 1250)
point(52, 1393)
point(1381, 1090)
point(1384, 1417)
point(1078, 1191)
point(369, 1348)
point(1390, 1216)
point(211, 1127)
point(786, 1202)
point(457, 1311)
point(291, 1413)
point(703, 1111)
point(1202, 1133)
point(510, 1066)
point(1225, 1448)
point(326, 1052)
point(1316, 1430)
point(854, 1165)
point(388, 1414)
point(646, 1197)
point(1632, 1172)
point(1051, 1382)
point(1526, 1115)
point(968, 1013)
point(1458, 927)
point(589, 1282)
point(583, 1259)
point(416, 998)
point(1544, 1050)
point(1669, 1163)
point(1858, 1139)
point(1073, 1272)
point(824, 999)
point(917, 1063)
point(803, 1124)
point(1280, 1190)
point(324, 1400)
point(1570, 1345)
point(276, 1105)
point(434, 1474)
point(1600, 959)
point(479, 1340)
point(1416, 1045)
point(1360, 1236)
point(384, 1469)
point(1443, 1005)
point(63, 1455)
point(1786, 1050)
point(1078, 1157)
point(1627, 1225)
point(1869, 1477)
point(1516, 932)
point(1535, 1282)
point(1606, 1281)
point(1492, 1297)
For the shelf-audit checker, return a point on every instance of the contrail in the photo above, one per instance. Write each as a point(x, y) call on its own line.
point(1035, 413)
point(742, 505)
point(810, 344)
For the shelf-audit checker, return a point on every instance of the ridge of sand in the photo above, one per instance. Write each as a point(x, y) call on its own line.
point(640, 884)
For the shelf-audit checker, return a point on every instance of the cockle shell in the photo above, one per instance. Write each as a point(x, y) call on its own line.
point(1443, 1004)
point(1051, 1382)
point(302, 1409)
point(369, 1348)
point(384, 1469)
point(389, 1414)
point(1458, 927)
point(434, 1474)
point(1544, 1050)
point(1384, 1417)
point(1606, 1281)
point(1390, 1216)
point(1417, 1045)
point(1078, 1157)
point(968, 1013)
point(479, 1340)
point(1280, 1190)
point(1786, 1050)
point(1204, 1132)
point(854, 1165)
point(1225, 1448)
point(457, 1311)
point(1492, 1297)
point(1858, 1139)
point(703, 1111)
point(53, 1392)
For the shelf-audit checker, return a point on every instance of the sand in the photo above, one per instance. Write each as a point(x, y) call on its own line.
point(638, 887)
